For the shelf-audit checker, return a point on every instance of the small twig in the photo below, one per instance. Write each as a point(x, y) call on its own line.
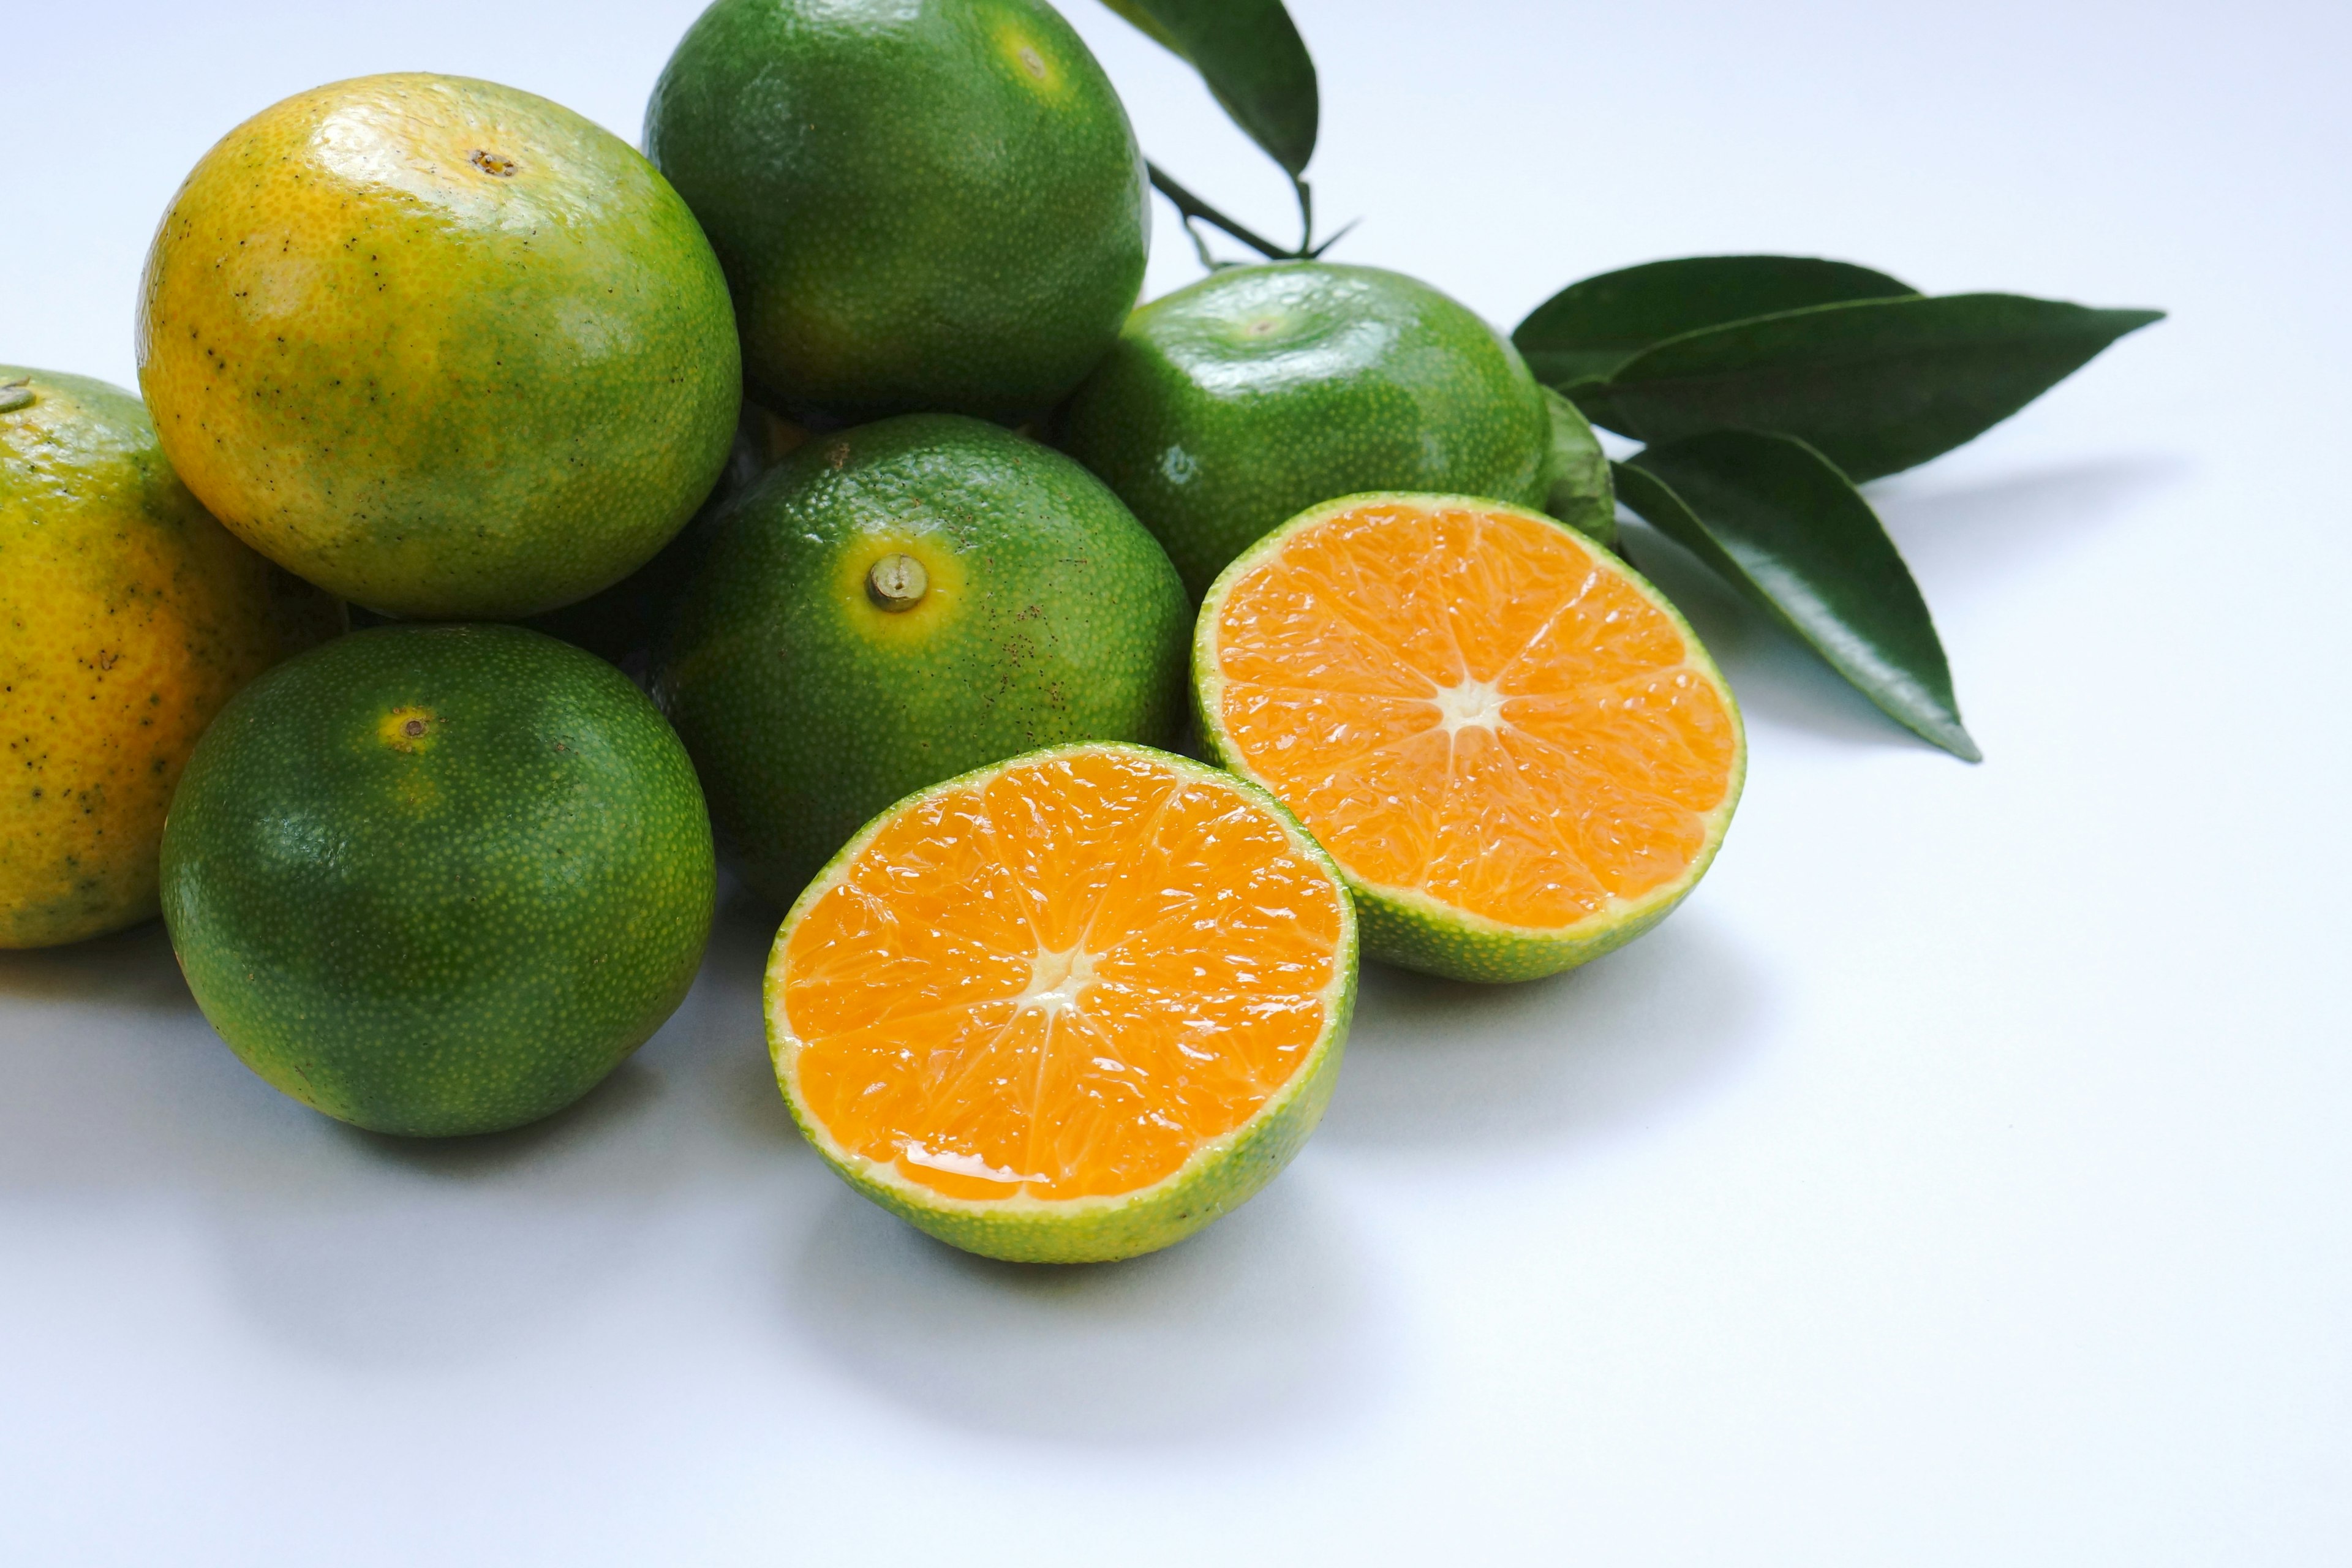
point(1192, 207)
point(1209, 261)
point(1343, 231)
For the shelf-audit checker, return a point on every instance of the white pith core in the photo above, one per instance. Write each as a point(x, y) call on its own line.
point(1473, 702)
point(1055, 980)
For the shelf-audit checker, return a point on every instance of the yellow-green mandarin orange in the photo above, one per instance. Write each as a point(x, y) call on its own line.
point(899, 602)
point(1234, 404)
point(438, 880)
point(1516, 751)
point(440, 346)
point(921, 205)
point(1066, 1008)
point(128, 617)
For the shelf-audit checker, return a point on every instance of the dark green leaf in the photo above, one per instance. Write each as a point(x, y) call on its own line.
point(1589, 329)
point(1875, 384)
point(1782, 525)
point(1578, 490)
point(1254, 60)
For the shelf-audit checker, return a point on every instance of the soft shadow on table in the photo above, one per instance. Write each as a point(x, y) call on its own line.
point(1959, 541)
point(1443, 1065)
point(365, 1248)
point(446, 1251)
point(130, 968)
point(1262, 1322)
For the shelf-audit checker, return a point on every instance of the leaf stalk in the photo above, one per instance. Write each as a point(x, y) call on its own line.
point(1192, 208)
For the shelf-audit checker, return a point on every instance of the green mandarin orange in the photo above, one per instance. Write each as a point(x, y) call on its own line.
point(898, 604)
point(1230, 406)
point(438, 880)
point(440, 346)
point(921, 205)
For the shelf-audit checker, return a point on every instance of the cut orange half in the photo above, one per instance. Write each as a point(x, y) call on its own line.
point(1514, 748)
point(1070, 1007)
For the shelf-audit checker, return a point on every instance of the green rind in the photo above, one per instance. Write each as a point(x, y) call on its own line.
point(807, 713)
point(913, 213)
point(1231, 405)
point(1406, 927)
point(455, 939)
point(1219, 1177)
point(621, 623)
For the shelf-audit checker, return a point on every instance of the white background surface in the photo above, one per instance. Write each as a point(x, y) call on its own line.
point(1962, 1176)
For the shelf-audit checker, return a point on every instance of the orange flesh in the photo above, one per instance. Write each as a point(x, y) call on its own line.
point(1475, 705)
point(1062, 981)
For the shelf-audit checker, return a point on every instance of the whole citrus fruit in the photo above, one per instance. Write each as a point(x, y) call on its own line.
point(438, 880)
point(1515, 750)
point(130, 616)
point(1068, 1008)
point(920, 204)
point(1234, 404)
point(900, 602)
point(438, 345)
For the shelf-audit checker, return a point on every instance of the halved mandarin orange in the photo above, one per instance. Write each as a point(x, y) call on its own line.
point(1514, 748)
point(1068, 1008)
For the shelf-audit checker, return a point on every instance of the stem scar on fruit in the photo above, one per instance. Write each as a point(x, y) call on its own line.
point(406, 729)
point(494, 163)
point(897, 583)
point(18, 393)
point(1020, 49)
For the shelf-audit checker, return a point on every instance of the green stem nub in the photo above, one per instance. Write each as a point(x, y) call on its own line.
point(17, 394)
point(897, 583)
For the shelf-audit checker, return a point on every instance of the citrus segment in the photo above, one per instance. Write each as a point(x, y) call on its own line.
point(1074, 1005)
point(1518, 751)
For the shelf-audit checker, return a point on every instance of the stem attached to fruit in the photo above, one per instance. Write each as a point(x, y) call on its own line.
point(1191, 206)
point(897, 583)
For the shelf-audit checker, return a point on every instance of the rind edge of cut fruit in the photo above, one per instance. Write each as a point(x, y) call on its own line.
point(1105, 1227)
point(1409, 927)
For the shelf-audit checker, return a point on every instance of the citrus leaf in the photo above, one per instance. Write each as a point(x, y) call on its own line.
point(1777, 522)
point(1254, 60)
point(1578, 490)
point(1589, 329)
point(1875, 384)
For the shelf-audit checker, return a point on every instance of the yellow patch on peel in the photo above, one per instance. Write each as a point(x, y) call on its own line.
point(942, 596)
point(408, 729)
point(1031, 64)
